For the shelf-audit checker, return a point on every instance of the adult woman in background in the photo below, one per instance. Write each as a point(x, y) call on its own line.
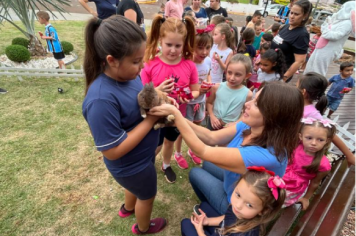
point(198, 10)
point(293, 38)
point(266, 136)
point(132, 11)
point(105, 9)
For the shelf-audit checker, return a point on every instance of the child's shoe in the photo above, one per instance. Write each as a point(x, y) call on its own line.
point(182, 163)
point(123, 213)
point(156, 225)
point(196, 160)
point(169, 174)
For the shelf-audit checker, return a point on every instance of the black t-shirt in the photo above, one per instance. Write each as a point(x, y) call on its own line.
point(211, 12)
point(125, 5)
point(295, 41)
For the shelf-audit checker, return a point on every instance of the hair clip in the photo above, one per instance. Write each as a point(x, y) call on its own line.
point(308, 120)
point(274, 183)
point(208, 29)
point(327, 123)
point(261, 169)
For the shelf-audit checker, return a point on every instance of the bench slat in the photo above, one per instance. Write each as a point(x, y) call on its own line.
point(320, 204)
point(285, 220)
point(338, 212)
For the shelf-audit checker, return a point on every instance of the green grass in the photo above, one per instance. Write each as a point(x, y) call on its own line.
point(49, 167)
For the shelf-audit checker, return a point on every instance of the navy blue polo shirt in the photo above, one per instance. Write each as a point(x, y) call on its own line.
point(111, 110)
point(105, 8)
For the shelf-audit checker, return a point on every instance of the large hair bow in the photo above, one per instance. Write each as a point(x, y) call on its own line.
point(274, 183)
point(208, 29)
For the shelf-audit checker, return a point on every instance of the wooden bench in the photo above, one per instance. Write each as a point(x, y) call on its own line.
point(328, 209)
point(331, 204)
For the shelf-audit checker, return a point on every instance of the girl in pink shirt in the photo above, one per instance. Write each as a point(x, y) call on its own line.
point(174, 8)
point(173, 66)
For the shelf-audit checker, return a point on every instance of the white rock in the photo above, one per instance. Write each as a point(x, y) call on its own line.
point(46, 63)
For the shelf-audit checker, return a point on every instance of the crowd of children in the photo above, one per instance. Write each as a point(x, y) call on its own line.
point(220, 75)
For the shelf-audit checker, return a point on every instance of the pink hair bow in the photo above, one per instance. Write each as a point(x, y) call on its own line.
point(308, 120)
point(327, 123)
point(274, 183)
point(208, 29)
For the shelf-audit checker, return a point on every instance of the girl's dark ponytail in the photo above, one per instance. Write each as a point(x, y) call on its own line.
point(315, 85)
point(92, 67)
point(281, 66)
point(248, 36)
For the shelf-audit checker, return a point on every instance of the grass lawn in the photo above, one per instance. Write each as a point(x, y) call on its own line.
point(52, 179)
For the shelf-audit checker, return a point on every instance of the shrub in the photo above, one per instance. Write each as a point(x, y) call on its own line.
point(67, 47)
point(17, 53)
point(21, 41)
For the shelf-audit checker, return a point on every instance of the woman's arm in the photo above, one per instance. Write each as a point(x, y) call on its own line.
point(226, 158)
point(314, 184)
point(344, 149)
point(134, 137)
point(84, 3)
point(131, 15)
point(298, 61)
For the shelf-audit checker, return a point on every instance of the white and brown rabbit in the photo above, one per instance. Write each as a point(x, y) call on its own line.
point(150, 97)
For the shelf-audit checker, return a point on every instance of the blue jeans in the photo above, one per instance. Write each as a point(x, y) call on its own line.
point(208, 184)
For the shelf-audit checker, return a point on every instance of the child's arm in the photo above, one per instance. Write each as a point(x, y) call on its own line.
point(195, 90)
point(215, 123)
point(208, 79)
point(134, 137)
point(314, 184)
point(344, 149)
point(222, 64)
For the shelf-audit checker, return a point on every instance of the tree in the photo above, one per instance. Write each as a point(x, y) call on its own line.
point(25, 11)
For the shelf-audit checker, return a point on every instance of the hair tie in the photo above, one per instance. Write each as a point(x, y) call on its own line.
point(261, 169)
point(276, 49)
point(98, 22)
point(183, 20)
point(208, 29)
point(163, 19)
point(274, 183)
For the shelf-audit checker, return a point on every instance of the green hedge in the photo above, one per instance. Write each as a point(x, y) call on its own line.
point(21, 41)
point(17, 53)
point(67, 47)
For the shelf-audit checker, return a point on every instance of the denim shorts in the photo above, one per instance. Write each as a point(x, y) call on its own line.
point(196, 112)
point(143, 184)
point(333, 103)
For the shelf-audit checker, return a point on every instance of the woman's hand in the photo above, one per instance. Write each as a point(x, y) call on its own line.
point(163, 110)
point(304, 202)
point(173, 102)
point(215, 122)
point(166, 86)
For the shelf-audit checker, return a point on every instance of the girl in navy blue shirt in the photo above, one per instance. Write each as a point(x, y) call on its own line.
point(114, 54)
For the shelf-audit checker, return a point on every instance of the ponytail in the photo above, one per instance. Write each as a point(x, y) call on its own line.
point(315, 85)
point(152, 41)
point(248, 36)
point(93, 65)
point(189, 43)
point(116, 36)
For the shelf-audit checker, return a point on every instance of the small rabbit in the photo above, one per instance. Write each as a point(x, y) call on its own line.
point(150, 97)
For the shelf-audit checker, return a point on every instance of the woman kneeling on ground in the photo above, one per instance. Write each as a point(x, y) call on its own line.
point(266, 136)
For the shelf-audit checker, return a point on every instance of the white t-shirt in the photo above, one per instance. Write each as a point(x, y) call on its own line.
point(203, 72)
point(264, 77)
point(216, 70)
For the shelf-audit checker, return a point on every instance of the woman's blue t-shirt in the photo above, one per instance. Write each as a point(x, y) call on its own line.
point(200, 14)
point(251, 156)
point(111, 110)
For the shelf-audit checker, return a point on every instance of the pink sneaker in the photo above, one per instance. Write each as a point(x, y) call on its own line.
point(123, 213)
point(182, 163)
point(156, 225)
point(195, 159)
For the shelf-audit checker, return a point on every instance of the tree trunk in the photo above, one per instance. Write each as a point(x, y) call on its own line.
point(35, 47)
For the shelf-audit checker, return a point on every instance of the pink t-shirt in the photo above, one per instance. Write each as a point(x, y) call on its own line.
point(311, 111)
point(156, 71)
point(174, 9)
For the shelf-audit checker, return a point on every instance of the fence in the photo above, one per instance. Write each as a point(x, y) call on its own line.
point(30, 72)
